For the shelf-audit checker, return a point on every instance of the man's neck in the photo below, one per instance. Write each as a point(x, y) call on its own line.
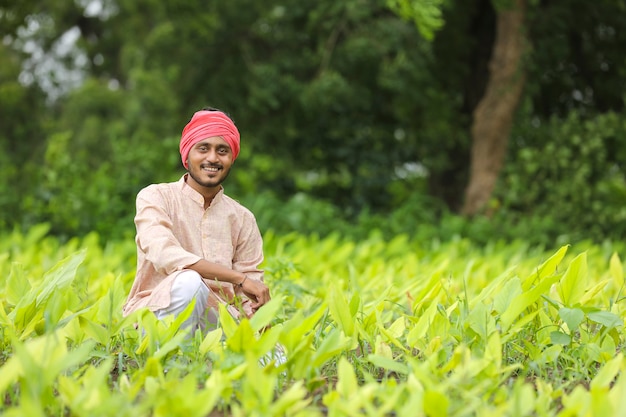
point(208, 193)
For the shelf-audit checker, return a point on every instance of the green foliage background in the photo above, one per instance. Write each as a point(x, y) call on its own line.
point(351, 120)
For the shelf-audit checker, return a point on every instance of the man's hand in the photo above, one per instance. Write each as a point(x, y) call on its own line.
point(257, 292)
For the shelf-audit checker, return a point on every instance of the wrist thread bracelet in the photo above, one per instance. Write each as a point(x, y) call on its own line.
point(240, 285)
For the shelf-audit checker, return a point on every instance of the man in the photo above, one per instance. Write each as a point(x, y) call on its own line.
point(194, 243)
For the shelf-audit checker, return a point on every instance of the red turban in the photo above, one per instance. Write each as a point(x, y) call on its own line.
point(207, 124)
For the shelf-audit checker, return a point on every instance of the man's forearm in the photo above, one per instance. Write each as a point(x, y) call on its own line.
point(211, 270)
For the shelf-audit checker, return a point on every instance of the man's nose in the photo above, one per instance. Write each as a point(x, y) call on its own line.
point(211, 155)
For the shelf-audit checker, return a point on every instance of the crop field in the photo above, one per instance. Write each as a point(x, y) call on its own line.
point(372, 328)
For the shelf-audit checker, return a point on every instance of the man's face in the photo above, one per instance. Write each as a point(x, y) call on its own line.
point(209, 162)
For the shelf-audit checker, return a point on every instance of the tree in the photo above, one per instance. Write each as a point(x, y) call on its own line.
point(343, 101)
point(493, 116)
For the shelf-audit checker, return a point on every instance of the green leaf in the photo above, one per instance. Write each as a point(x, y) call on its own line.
point(605, 318)
point(591, 293)
point(435, 403)
point(332, 345)
point(243, 337)
point(493, 350)
point(418, 332)
point(548, 268)
point(572, 317)
point(340, 311)
point(574, 282)
point(617, 270)
point(94, 330)
point(560, 338)
point(388, 364)
point(211, 342)
point(606, 375)
point(60, 276)
point(229, 325)
point(481, 321)
point(263, 316)
point(17, 285)
point(524, 300)
point(505, 296)
point(347, 383)
point(355, 303)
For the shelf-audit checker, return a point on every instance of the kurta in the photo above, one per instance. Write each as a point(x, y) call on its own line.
point(174, 231)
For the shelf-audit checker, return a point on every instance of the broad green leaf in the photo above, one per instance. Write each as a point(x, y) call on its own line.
point(617, 270)
point(266, 314)
point(10, 372)
point(243, 337)
point(505, 296)
point(552, 353)
point(340, 311)
point(170, 345)
point(601, 404)
point(5, 321)
point(382, 348)
point(481, 321)
point(291, 401)
point(591, 294)
point(347, 383)
point(560, 338)
point(490, 289)
point(572, 317)
point(418, 332)
point(93, 330)
point(435, 403)
point(605, 318)
point(228, 323)
point(397, 328)
point(547, 269)
point(295, 329)
point(606, 376)
point(574, 281)
point(579, 399)
point(355, 303)
point(391, 333)
point(524, 300)
point(60, 276)
point(268, 341)
point(388, 364)
point(17, 285)
point(332, 345)
point(523, 401)
point(430, 289)
point(493, 350)
point(211, 342)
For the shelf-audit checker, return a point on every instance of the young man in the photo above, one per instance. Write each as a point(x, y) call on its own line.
point(194, 243)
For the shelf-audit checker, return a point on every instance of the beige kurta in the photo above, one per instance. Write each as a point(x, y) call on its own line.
point(175, 231)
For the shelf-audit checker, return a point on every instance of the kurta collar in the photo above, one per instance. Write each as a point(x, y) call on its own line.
point(196, 196)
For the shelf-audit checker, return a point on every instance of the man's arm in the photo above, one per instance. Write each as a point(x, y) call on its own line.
point(256, 290)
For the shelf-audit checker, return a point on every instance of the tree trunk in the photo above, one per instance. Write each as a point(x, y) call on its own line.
point(493, 116)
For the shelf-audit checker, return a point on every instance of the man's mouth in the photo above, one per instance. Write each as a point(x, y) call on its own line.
point(210, 168)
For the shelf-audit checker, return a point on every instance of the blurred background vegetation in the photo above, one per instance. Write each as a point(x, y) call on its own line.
point(355, 115)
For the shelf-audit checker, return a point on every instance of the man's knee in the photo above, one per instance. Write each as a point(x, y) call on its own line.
point(188, 285)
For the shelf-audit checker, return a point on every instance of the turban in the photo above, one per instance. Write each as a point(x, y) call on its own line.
point(206, 124)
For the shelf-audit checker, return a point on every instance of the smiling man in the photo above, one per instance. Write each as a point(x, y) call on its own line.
point(194, 243)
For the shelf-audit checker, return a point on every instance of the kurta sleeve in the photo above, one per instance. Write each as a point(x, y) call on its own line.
point(249, 249)
point(155, 234)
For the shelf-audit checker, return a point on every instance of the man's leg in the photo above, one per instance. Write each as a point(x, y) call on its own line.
point(188, 286)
